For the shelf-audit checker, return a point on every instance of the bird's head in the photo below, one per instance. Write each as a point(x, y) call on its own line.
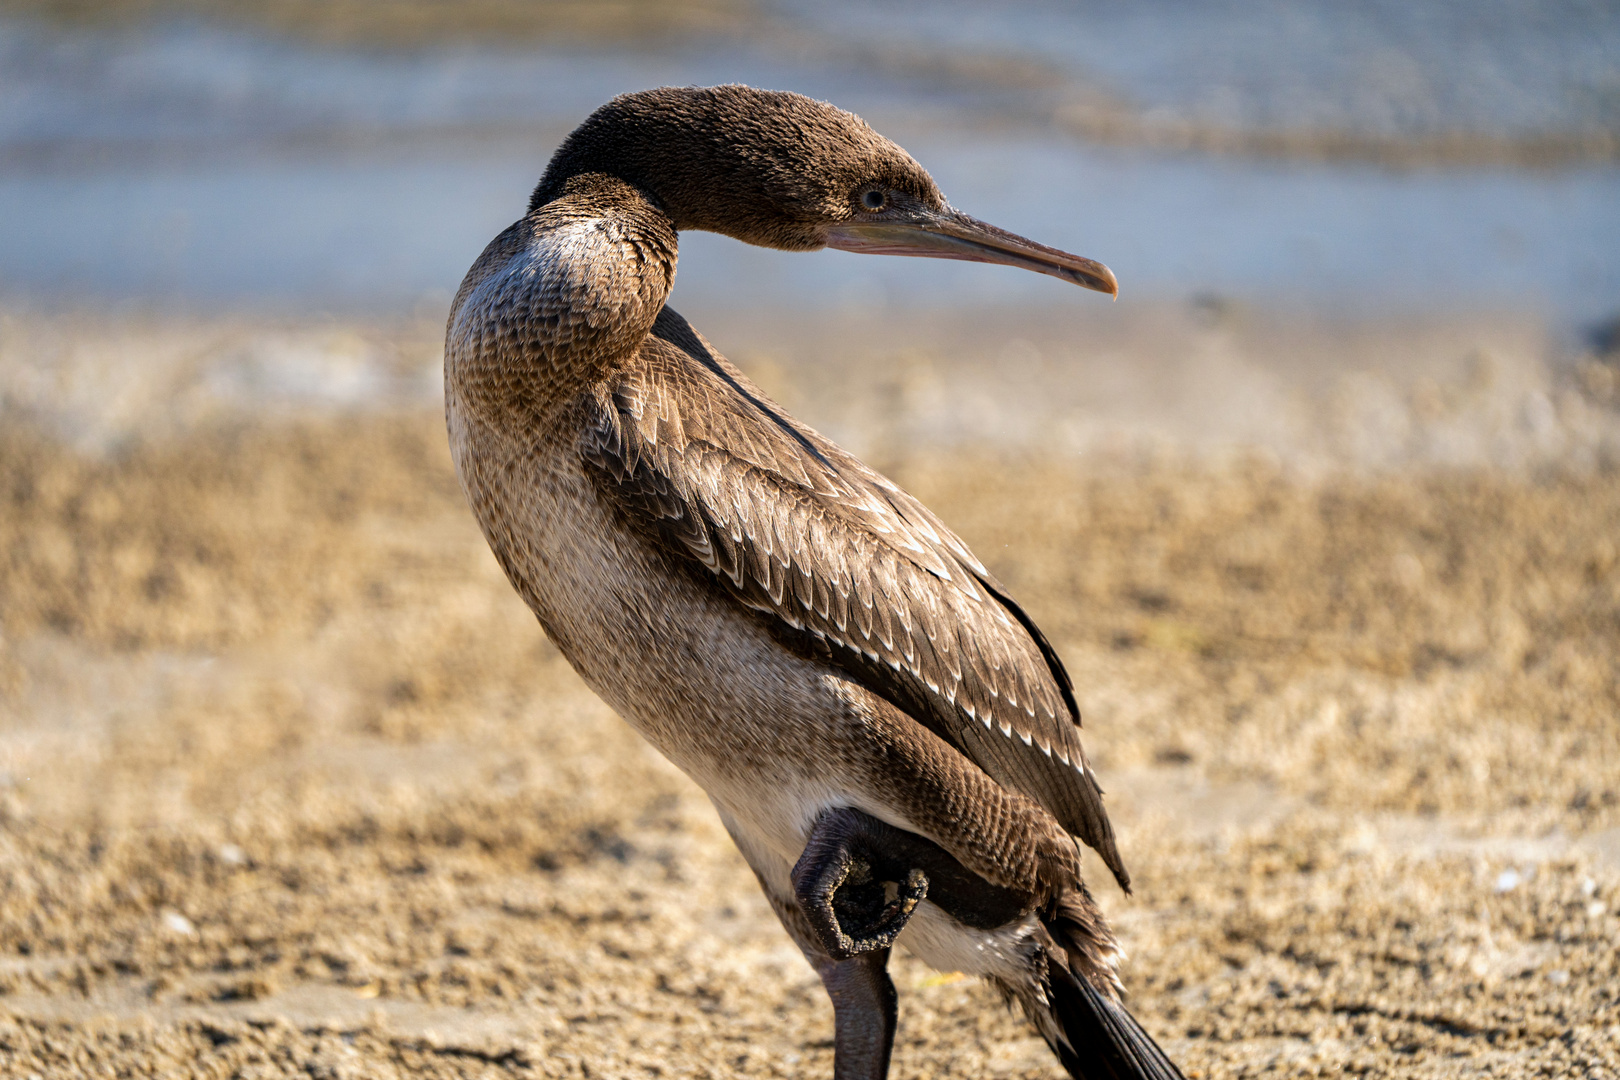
point(785, 171)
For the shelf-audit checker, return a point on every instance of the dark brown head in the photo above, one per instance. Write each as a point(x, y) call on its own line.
point(782, 170)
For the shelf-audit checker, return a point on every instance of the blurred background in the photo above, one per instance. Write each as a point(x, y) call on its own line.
point(1411, 168)
point(1322, 514)
point(353, 156)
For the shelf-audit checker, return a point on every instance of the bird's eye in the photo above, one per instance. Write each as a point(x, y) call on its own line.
point(873, 199)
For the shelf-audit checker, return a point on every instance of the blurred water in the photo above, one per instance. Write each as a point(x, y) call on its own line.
point(196, 167)
point(1391, 66)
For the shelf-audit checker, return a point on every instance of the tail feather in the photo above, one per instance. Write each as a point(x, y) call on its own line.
point(1099, 1039)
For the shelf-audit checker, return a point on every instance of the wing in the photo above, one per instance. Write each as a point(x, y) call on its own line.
point(846, 565)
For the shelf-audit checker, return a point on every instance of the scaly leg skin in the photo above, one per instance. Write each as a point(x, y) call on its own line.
point(864, 1011)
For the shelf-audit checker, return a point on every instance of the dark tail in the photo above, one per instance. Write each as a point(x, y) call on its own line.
point(1087, 1027)
point(1104, 1041)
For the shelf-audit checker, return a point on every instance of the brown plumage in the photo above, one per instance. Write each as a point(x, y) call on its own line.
point(859, 696)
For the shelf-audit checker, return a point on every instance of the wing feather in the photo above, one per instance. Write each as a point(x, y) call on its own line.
point(846, 562)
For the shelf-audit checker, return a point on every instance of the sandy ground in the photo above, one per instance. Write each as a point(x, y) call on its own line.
point(291, 783)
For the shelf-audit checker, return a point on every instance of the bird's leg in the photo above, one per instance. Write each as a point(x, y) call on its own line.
point(863, 997)
point(864, 1010)
point(854, 884)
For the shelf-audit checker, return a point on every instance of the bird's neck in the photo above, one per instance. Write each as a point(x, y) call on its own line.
point(560, 298)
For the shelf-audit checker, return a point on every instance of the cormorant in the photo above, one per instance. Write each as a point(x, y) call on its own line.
point(891, 742)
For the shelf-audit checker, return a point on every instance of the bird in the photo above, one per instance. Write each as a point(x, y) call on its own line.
point(888, 738)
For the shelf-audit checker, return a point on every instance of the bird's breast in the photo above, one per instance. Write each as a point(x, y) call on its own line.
point(760, 728)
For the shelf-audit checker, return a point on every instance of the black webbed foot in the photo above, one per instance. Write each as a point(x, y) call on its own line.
point(871, 913)
point(852, 911)
point(856, 891)
point(860, 879)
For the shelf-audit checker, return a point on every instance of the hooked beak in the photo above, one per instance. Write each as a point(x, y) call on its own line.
point(951, 234)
